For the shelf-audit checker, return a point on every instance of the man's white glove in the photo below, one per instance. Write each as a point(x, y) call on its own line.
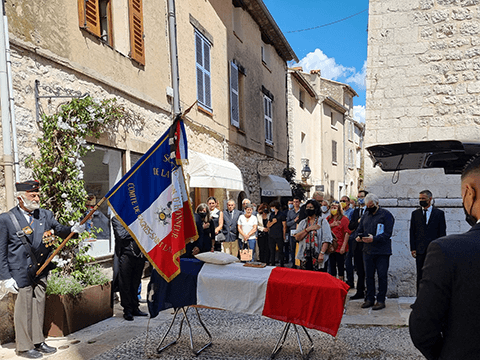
point(77, 228)
point(6, 286)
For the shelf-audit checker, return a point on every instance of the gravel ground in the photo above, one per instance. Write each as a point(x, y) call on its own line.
point(241, 336)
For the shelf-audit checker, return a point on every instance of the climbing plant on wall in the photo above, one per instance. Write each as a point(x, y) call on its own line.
point(59, 166)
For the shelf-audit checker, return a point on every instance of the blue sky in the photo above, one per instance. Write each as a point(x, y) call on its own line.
point(338, 50)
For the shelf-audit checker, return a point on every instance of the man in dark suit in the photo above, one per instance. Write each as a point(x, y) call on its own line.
point(445, 321)
point(230, 229)
point(128, 269)
point(355, 249)
point(426, 225)
point(17, 269)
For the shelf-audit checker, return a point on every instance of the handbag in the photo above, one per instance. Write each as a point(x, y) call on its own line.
point(246, 254)
point(220, 237)
point(332, 247)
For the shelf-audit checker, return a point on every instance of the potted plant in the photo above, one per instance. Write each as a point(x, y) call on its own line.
point(78, 293)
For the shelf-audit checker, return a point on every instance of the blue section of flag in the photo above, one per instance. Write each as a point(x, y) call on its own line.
point(144, 183)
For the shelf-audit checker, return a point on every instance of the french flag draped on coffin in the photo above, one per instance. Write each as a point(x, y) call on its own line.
point(151, 201)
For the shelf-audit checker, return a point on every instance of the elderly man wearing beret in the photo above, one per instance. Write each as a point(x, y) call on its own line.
point(24, 234)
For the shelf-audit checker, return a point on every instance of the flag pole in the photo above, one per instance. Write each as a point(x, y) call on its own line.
point(172, 30)
point(64, 242)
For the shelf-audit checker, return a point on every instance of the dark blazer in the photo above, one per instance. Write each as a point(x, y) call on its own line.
point(352, 226)
point(422, 235)
point(14, 257)
point(445, 321)
point(205, 236)
point(230, 229)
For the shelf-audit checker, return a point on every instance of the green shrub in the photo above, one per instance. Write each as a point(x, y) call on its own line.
point(63, 285)
point(73, 284)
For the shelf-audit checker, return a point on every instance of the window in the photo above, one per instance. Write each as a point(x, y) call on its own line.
point(350, 159)
point(137, 48)
point(332, 188)
point(334, 151)
point(359, 159)
point(267, 110)
point(301, 98)
point(95, 16)
point(266, 54)
point(332, 119)
point(202, 51)
point(234, 96)
point(237, 22)
point(350, 131)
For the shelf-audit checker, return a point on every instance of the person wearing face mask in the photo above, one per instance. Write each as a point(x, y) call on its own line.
point(17, 268)
point(347, 210)
point(426, 224)
point(205, 230)
point(314, 236)
point(339, 225)
point(324, 209)
point(277, 227)
point(445, 321)
point(375, 231)
point(355, 249)
point(230, 229)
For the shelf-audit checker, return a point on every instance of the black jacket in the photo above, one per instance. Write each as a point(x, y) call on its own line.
point(445, 321)
point(14, 257)
point(422, 235)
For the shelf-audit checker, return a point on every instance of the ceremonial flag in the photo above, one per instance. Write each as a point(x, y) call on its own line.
point(151, 201)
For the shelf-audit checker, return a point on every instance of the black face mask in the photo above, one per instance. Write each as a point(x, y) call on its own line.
point(423, 203)
point(310, 212)
point(372, 209)
point(202, 215)
point(470, 219)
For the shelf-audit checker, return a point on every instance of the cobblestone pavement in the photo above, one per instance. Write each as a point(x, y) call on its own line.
point(240, 336)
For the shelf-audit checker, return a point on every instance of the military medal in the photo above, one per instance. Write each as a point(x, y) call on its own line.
point(48, 238)
point(27, 230)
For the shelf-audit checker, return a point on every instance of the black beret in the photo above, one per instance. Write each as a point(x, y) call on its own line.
point(30, 185)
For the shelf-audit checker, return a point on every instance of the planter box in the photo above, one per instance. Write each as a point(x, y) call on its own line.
point(65, 314)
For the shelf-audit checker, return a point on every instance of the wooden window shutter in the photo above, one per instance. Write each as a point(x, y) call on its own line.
point(137, 45)
point(89, 16)
point(234, 101)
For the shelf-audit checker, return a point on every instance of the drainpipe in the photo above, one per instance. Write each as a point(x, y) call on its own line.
point(172, 32)
point(11, 100)
point(7, 141)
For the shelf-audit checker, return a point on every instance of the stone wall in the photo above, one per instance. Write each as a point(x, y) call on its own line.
point(147, 120)
point(423, 71)
point(247, 161)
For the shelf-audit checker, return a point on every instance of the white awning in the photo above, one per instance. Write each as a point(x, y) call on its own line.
point(209, 172)
point(273, 185)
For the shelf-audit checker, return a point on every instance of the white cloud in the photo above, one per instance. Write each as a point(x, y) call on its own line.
point(328, 66)
point(331, 70)
point(359, 77)
point(359, 113)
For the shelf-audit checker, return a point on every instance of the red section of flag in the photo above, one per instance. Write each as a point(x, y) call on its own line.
point(311, 299)
point(166, 255)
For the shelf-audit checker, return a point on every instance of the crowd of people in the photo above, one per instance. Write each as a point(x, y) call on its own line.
point(329, 236)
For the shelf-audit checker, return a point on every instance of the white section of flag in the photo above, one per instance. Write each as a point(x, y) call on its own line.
point(233, 287)
point(151, 217)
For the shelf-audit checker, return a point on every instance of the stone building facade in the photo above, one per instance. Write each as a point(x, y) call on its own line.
point(57, 52)
point(323, 133)
point(423, 72)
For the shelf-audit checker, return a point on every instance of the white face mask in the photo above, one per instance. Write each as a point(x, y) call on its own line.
point(272, 209)
point(30, 205)
point(324, 209)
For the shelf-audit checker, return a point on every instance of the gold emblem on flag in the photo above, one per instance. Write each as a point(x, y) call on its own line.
point(164, 213)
